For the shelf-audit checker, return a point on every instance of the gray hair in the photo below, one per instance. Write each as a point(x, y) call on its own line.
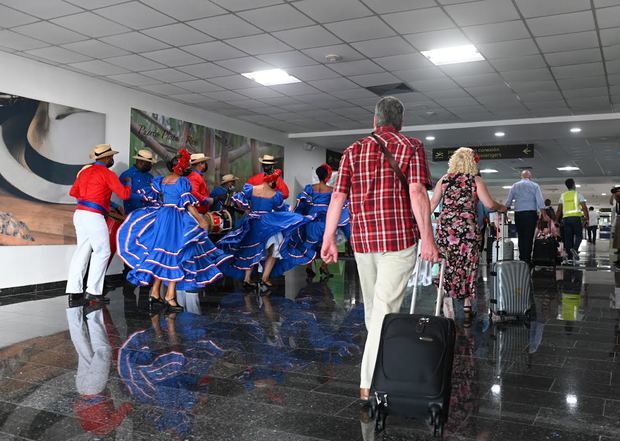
point(389, 111)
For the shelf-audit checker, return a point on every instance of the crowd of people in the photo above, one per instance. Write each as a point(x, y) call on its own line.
point(379, 204)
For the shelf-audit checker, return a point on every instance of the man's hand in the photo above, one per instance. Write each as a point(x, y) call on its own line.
point(429, 251)
point(329, 250)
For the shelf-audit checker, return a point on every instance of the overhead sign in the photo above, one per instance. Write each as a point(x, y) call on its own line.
point(513, 151)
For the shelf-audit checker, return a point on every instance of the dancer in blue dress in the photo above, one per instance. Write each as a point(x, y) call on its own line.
point(264, 235)
point(314, 201)
point(168, 242)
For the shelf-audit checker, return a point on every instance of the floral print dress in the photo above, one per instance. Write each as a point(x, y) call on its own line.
point(457, 235)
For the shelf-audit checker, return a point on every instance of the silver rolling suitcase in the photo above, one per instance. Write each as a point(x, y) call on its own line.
point(511, 288)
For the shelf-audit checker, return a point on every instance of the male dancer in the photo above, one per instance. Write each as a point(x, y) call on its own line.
point(269, 163)
point(200, 190)
point(139, 177)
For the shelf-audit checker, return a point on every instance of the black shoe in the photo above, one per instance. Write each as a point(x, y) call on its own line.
point(171, 309)
point(249, 286)
point(310, 274)
point(90, 307)
point(155, 302)
point(98, 299)
point(75, 300)
point(264, 288)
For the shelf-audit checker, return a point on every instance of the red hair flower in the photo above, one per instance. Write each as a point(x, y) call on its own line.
point(476, 158)
point(183, 163)
point(329, 169)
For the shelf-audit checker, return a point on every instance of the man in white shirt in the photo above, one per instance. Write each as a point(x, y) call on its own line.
point(592, 225)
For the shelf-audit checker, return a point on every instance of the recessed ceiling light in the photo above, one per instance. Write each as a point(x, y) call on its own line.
point(499, 134)
point(568, 168)
point(575, 130)
point(488, 170)
point(603, 194)
point(571, 399)
point(271, 77)
point(430, 138)
point(507, 187)
point(578, 185)
point(452, 55)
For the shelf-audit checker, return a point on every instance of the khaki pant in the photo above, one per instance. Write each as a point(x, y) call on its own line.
point(383, 277)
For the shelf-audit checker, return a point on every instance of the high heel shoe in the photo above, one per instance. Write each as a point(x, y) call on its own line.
point(171, 309)
point(249, 286)
point(156, 302)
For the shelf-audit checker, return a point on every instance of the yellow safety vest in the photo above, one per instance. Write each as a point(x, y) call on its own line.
point(570, 204)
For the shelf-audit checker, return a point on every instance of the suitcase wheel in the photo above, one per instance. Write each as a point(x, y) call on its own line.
point(437, 421)
point(380, 421)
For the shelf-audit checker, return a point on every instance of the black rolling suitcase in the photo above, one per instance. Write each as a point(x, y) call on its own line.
point(413, 373)
point(545, 251)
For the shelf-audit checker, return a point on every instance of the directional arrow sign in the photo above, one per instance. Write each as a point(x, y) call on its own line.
point(513, 151)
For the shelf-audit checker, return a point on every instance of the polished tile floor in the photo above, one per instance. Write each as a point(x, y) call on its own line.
point(286, 366)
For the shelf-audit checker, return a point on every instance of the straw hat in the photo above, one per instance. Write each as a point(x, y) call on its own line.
point(197, 158)
point(228, 178)
point(145, 155)
point(267, 159)
point(102, 151)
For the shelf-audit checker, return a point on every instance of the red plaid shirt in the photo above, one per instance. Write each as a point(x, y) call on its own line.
point(381, 215)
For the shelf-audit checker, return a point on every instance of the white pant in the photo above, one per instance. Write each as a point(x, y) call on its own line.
point(383, 278)
point(93, 349)
point(92, 238)
point(190, 301)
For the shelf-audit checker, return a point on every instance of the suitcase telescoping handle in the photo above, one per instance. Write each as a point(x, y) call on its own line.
point(416, 282)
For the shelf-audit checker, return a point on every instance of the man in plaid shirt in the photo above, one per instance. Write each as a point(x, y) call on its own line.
point(386, 219)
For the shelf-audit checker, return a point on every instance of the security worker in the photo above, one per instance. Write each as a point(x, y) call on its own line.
point(140, 179)
point(200, 190)
point(269, 163)
point(93, 189)
point(571, 210)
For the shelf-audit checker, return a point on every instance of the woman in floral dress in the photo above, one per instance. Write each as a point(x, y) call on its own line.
point(457, 229)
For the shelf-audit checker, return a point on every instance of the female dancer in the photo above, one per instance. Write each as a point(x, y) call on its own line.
point(313, 201)
point(457, 230)
point(264, 235)
point(169, 242)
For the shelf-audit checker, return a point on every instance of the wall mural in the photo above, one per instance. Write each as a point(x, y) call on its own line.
point(42, 147)
point(229, 153)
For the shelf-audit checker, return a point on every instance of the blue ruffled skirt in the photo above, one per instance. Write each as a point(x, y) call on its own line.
point(166, 242)
point(248, 243)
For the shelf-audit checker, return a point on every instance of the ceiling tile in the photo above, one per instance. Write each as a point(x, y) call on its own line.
point(567, 42)
point(490, 33)
point(49, 32)
point(578, 70)
point(288, 59)
point(276, 18)
point(360, 92)
point(403, 62)
point(309, 73)
point(190, 98)
point(234, 82)
point(424, 41)
point(505, 49)
point(133, 79)
point(178, 34)
point(43, 9)
point(135, 15)
point(562, 24)
point(333, 84)
point(99, 67)
point(428, 73)
point(610, 37)
point(473, 68)
point(90, 24)
point(608, 17)
point(361, 67)
point(309, 37)
point(360, 29)
point(325, 11)
point(537, 8)
point(603, 3)
point(574, 57)
point(240, 5)
point(95, 49)
point(259, 92)
point(135, 42)
point(244, 64)
point(198, 86)
point(581, 83)
point(538, 96)
point(58, 55)
point(259, 44)
point(613, 66)
point(186, 9)
point(134, 62)
point(205, 70)
point(225, 26)
point(586, 93)
point(344, 50)
point(420, 20)
point(94, 4)
point(168, 75)
point(384, 47)
point(376, 79)
point(164, 89)
point(479, 80)
point(518, 63)
point(481, 12)
point(19, 42)
point(436, 84)
point(10, 17)
point(214, 50)
point(297, 89)
point(225, 95)
point(611, 52)
point(523, 86)
point(172, 57)
point(387, 6)
point(528, 75)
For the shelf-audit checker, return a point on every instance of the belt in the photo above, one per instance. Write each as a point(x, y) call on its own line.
point(94, 206)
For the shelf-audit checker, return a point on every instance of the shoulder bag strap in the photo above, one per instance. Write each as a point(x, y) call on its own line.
point(392, 162)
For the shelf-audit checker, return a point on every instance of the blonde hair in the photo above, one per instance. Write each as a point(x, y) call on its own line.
point(462, 161)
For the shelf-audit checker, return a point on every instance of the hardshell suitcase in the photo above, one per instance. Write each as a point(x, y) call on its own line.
point(413, 372)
